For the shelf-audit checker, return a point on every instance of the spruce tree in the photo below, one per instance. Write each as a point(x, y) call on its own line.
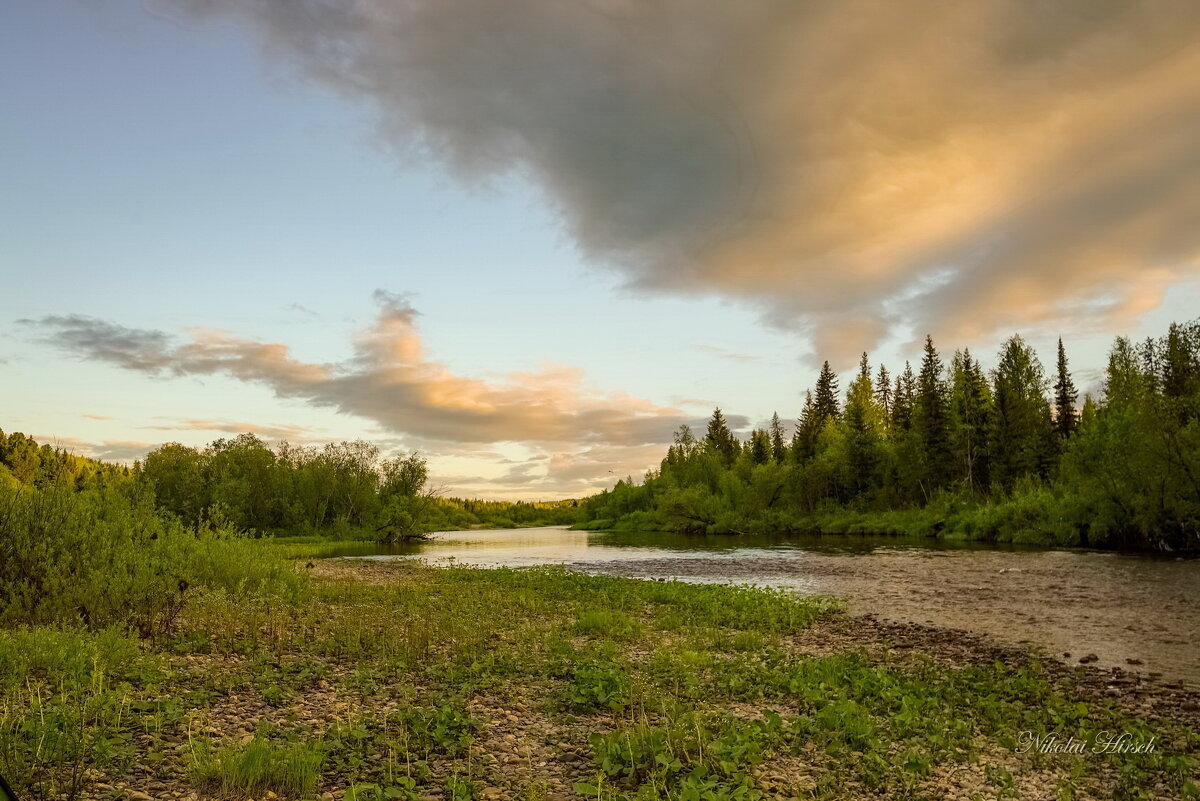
point(863, 421)
point(883, 393)
point(778, 448)
point(826, 397)
point(902, 399)
point(721, 439)
point(808, 431)
point(931, 420)
point(971, 415)
point(1181, 371)
point(760, 447)
point(1022, 437)
point(1065, 396)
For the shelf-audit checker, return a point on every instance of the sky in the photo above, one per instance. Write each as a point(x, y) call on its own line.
point(530, 239)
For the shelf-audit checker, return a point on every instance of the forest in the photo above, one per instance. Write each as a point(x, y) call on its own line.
point(950, 450)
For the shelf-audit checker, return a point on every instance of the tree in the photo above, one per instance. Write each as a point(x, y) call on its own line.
point(1022, 434)
point(176, 473)
point(1181, 370)
point(808, 431)
point(971, 420)
point(1065, 396)
point(931, 420)
point(778, 447)
point(405, 502)
point(902, 399)
point(864, 421)
point(240, 478)
point(403, 476)
point(825, 399)
point(760, 447)
point(721, 439)
point(883, 393)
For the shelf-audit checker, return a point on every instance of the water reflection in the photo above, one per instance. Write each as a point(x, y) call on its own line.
point(558, 545)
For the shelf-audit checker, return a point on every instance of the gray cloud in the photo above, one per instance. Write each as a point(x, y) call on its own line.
point(846, 167)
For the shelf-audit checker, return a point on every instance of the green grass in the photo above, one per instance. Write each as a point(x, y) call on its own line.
point(258, 766)
point(400, 681)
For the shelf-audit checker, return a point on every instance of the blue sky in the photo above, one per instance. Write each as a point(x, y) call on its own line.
point(189, 172)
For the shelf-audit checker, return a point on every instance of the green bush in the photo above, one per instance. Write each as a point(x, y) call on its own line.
point(106, 557)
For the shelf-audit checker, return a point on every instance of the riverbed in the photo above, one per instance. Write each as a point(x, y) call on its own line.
point(1133, 611)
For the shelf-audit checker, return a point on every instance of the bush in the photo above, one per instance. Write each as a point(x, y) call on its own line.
point(106, 557)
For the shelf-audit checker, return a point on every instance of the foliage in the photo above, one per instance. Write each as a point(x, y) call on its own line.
point(950, 451)
point(106, 557)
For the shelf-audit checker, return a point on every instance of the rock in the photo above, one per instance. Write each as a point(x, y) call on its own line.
point(135, 795)
point(1132, 661)
point(492, 792)
point(1088, 659)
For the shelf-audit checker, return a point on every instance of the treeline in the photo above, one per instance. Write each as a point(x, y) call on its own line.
point(951, 450)
point(343, 489)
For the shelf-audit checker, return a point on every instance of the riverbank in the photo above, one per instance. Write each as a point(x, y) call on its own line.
point(378, 680)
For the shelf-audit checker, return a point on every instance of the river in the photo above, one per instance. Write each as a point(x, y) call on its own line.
point(1132, 611)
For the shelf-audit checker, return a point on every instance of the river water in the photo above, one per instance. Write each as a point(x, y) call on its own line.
point(1119, 607)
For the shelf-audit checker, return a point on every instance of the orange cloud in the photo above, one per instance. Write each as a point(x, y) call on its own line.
point(581, 432)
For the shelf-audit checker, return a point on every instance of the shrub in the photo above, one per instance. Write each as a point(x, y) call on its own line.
point(106, 557)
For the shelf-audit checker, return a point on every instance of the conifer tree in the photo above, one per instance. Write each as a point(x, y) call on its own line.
point(863, 421)
point(808, 431)
point(902, 399)
point(778, 448)
point(1022, 434)
point(760, 447)
point(883, 393)
point(931, 420)
point(971, 415)
point(825, 399)
point(721, 439)
point(1181, 370)
point(1065, 396)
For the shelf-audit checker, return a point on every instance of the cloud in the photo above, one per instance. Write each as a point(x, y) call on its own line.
point(389, 380)
point(98, 416)
point(863, 166)
point(725, 353)
point(300, 308)
point(292, 433)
